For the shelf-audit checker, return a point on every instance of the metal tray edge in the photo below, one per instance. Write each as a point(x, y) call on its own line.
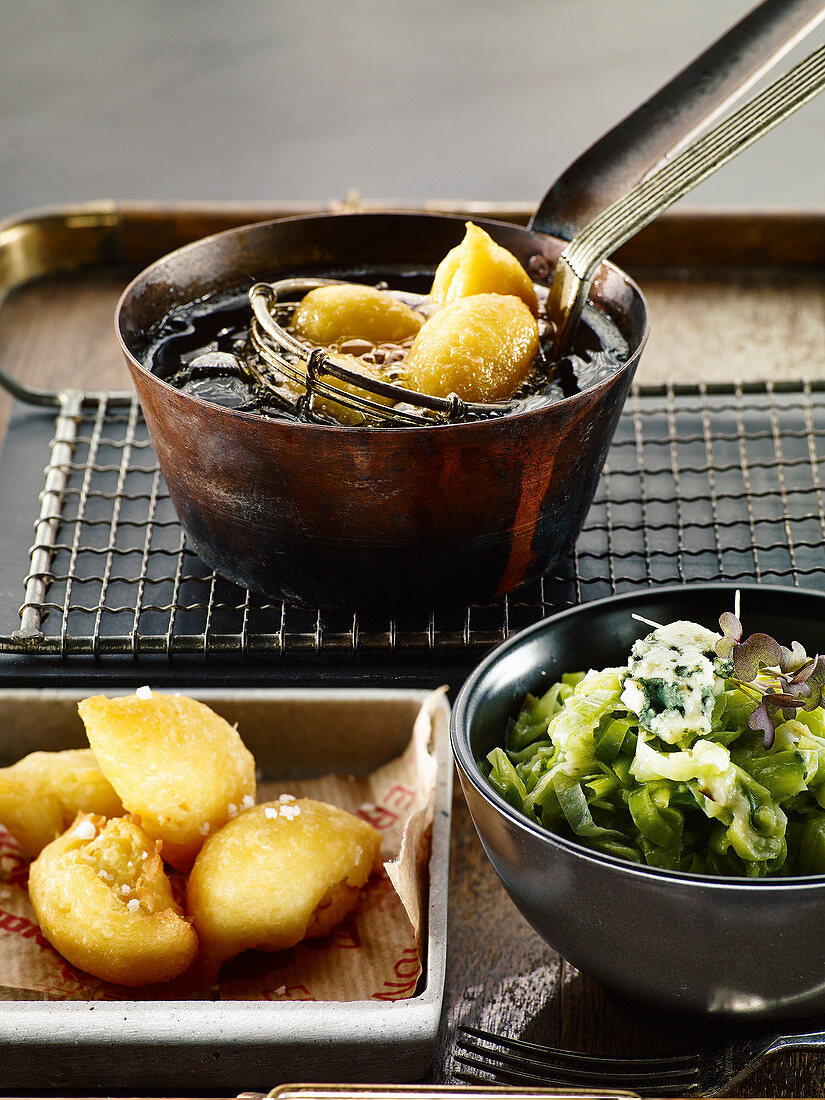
point(234, 1041)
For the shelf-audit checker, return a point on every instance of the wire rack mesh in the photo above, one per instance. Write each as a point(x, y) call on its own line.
point(701, 483)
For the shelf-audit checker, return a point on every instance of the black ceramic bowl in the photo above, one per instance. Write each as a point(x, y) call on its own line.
point(683, 942)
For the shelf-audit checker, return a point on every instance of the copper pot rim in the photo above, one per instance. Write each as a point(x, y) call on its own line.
point(588, 395)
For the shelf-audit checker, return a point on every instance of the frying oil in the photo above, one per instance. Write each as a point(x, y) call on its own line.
point(204, 349)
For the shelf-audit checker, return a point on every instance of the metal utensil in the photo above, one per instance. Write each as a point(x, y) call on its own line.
point(709, 1073)
point(679, 111)
point(688, 104)
point(623, 218)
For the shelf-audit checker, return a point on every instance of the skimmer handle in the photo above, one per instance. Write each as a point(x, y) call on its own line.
point(624, 218)
point(675, 115)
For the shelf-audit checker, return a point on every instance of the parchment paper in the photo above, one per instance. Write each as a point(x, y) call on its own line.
point(375, 953)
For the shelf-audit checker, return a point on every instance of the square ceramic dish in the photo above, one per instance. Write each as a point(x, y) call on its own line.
point(204, 1046)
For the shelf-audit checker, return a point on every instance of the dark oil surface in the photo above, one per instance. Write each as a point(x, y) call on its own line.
point(214, 332)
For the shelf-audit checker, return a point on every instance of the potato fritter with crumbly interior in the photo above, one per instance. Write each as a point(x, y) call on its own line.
point(279, 873)
point(102, 899)
point(182, 768)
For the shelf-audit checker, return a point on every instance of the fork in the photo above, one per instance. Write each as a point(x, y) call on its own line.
point(709, 1073)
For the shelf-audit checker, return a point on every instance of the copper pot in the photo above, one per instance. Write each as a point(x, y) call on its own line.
point(354, 517)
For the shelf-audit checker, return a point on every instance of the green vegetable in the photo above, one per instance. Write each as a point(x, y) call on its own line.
point(718, 798)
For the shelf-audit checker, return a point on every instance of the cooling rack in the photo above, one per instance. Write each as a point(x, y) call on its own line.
point(702, 482)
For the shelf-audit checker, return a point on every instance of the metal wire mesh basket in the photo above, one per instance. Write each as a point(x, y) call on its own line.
point(284, 356)
point(701, 483)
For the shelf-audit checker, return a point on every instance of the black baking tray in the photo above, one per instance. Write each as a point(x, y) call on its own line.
point(701, 483)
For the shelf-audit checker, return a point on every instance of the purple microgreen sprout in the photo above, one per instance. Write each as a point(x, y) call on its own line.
point(754, 653)
point(779, 680)
point(760, 719)
point(793, 658)
point(731, 634)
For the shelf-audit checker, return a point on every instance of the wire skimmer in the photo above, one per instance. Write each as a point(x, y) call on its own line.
point(701, 483)
point(310, 368)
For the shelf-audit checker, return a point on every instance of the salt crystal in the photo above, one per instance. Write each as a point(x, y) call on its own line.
point(144, 855)
point(133, 905)
point(286, 798)
point(279, 992)
point(144, 693)
point(290, 812)
point(232, 809)
point(126, 888)
point(204, 828)
point(85, 830)
point(270, 811)
point(248, 802)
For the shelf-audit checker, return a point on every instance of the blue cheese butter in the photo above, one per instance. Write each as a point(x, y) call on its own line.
point(672, 682)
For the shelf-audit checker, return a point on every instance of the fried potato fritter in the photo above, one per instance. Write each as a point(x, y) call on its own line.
point(177, 764)
point(280, 872)
point(102, 899)
point(41, 795)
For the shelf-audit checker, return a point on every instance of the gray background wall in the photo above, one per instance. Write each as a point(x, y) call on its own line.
point(249, 99)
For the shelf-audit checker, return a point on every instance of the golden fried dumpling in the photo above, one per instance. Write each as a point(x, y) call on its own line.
point(480, 266)
point(41, 795)
point(279, 873)
point(330, 315)
point(481, 348)
point(182, 768)
point(103, 900)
